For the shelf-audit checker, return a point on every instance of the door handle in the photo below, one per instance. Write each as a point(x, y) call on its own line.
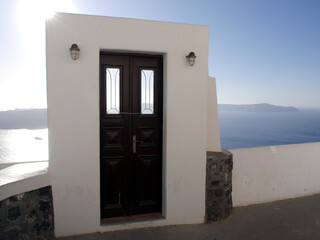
point(134, 143)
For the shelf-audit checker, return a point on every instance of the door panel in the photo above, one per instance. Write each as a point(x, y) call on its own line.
point(130, 134)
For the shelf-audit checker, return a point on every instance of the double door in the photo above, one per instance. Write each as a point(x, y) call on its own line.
point(130, 134)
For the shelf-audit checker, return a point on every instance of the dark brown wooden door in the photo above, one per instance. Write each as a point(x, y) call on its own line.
point(130, 134)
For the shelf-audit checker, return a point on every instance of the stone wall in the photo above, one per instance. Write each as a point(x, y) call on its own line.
point(218, 185)
point(27, 216)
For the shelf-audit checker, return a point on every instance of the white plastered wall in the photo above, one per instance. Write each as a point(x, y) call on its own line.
point(73, 116)
point(266, 174)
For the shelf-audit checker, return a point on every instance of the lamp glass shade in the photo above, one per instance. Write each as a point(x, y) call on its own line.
point(74, 54)
point(191, 61)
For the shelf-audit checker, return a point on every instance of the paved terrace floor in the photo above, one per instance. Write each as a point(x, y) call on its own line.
point(284, 220)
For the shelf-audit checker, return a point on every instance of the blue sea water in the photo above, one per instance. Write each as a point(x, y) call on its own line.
point(254, 129)
point(237, 130)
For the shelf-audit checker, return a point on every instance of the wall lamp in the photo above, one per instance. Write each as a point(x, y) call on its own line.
point(74, 51)
point(191, 58)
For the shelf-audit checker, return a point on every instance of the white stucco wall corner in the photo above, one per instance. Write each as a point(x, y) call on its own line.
point(213, 132)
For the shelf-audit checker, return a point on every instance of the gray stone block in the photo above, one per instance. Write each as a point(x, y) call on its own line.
point(27, 216)
point(218, 185)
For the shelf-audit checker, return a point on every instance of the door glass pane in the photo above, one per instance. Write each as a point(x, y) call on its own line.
point(147, 82)
point(113, 90)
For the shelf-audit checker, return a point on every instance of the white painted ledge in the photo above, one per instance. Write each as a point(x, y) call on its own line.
point(19, 178)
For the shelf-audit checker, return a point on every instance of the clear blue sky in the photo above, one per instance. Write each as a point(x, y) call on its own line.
point(260, 50)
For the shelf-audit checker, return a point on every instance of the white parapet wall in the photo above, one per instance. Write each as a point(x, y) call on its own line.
point(266, 174)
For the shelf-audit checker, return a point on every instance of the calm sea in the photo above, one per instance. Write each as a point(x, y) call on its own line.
point(237, 130)
point(22, 145)
point(251, 129)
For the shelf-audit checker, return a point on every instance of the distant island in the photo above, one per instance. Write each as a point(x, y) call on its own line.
point(37, 118)
point(260, 107)
point(23, 118)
